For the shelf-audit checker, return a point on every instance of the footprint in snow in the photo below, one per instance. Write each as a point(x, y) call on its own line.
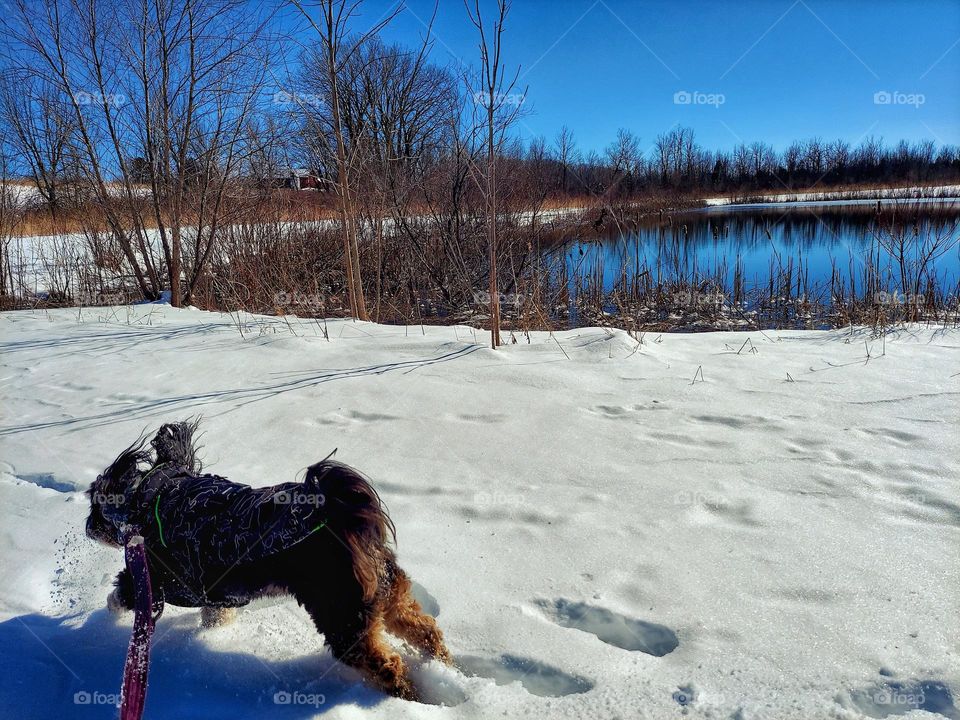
point(537, 678)
point(47, 480)
point(892, 698)
point(613, 628)
point(428, 603)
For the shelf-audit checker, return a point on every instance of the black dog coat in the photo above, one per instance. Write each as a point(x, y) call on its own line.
point(198, 527)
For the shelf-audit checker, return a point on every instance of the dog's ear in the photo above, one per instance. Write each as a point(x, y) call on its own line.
point(174, 443)
point(118, 473)
point(108, 493)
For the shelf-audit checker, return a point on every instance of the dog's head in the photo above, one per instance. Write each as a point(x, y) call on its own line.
point(110, 496)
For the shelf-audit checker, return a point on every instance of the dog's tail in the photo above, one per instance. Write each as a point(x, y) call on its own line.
point(174, 445)
point(353, 510)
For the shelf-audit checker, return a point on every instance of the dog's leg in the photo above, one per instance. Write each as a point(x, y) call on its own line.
point(122, 598)
point(216, 616)
point(405, 618)
point(355, 635)
point(368, 651)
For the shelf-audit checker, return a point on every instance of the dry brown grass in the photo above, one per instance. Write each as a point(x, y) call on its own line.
point(293, 206)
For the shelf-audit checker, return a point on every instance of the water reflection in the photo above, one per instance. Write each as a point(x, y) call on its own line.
point(763, 239)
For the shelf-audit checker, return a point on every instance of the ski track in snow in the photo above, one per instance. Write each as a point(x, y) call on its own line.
point(671, 530)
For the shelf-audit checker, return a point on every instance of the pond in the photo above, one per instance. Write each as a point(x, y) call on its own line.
point(900, 247)
point(822, 235)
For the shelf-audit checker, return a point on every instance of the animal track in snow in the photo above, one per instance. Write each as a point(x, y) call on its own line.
point(47, 480)
point(739, 422)
point(613, 628)
point(536, 677)
point(622, 411)
point(428, 603)
point(893, 698)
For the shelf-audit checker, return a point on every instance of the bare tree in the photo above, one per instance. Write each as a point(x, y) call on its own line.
point(566, 151)
point(10, 212)
point(167, 83)
point(500, 110)
point(39, 131)
point(332, 29)
point(196, 69)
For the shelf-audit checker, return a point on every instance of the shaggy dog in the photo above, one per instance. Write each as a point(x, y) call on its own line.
point(216, 544)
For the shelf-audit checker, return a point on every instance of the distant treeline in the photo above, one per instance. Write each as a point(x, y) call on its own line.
point(677, 162)
point(161, 126)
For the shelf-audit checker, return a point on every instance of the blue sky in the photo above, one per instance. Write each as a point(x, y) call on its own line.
point(774, 70)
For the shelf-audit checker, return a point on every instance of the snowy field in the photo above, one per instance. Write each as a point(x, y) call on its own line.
point(723, 525)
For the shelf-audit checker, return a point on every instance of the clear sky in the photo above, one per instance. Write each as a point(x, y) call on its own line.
point(773, 70)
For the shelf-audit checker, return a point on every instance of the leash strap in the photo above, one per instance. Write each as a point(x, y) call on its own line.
point(133, 693)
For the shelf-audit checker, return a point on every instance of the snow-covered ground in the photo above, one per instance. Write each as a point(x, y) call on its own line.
point(41, 264)
point(724, 525)
point(24, 193)
point(940, 191)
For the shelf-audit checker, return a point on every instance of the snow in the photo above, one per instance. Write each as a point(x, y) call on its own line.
point(938, 191)
point(599, 534)
point(25, 193)
point(41, 264)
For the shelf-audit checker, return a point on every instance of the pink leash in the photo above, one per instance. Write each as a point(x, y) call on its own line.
point(133, 694)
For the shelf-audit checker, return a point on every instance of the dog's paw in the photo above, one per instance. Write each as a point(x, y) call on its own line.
point(445, 657)
point(405, 690)
point(216, 616)
point(115, 603)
